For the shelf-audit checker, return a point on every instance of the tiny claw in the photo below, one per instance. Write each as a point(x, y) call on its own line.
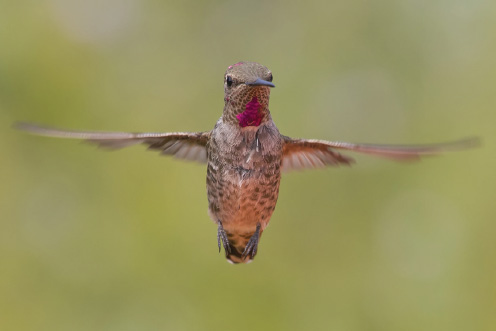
point(222, 236)
point(218, 239)
point(252, 246)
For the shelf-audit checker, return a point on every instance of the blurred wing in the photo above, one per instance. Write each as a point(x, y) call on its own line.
point(183, 145)
point(299, 154)
point(307, 154)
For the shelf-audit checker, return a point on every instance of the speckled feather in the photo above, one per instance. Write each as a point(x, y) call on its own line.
point(244, 162)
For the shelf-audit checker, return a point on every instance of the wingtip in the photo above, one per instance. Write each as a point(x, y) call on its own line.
point(31, 128)
point(22, 126)
point(462, 144)
point(472, 142)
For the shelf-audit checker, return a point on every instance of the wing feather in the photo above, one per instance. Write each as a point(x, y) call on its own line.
point(313, 153)
point(182, 145)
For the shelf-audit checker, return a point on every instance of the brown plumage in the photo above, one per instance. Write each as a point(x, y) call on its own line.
point(245, 155)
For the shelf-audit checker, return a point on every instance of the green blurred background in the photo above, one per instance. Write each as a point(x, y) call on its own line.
point(92, 240)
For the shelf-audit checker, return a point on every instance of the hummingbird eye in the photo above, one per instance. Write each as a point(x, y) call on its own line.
point(270, 78)
point(229, 81)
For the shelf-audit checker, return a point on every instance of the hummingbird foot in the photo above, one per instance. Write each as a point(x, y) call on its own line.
point(252, 246)
point(222, 237)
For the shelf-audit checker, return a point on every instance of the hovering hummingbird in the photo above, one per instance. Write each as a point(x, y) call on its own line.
point(245, 155)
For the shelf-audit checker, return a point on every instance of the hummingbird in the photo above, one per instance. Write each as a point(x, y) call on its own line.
point(245, 155)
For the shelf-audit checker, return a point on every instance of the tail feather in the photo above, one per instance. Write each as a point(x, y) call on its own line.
point(236, 256)
point(238, 243)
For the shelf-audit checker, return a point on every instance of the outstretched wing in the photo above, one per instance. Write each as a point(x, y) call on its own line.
point(311, 153)
point(183, 145)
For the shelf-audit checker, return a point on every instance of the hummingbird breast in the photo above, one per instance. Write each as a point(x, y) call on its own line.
point(243, 176)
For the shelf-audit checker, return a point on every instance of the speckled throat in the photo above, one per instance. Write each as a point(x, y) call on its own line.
point(248, 107)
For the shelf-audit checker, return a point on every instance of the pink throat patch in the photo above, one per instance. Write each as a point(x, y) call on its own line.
point(251, 116)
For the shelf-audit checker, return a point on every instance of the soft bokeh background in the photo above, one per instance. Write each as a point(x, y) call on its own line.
point(92, 240)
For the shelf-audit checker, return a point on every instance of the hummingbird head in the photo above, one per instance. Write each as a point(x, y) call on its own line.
point(246, 94)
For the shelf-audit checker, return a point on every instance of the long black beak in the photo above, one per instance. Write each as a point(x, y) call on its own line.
point(262, 82)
